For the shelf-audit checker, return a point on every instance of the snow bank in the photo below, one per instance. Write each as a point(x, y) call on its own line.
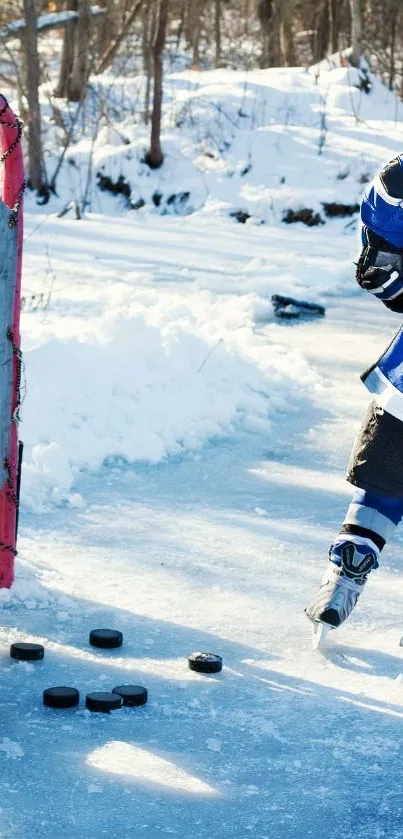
point(160, 377)
point(261, 141)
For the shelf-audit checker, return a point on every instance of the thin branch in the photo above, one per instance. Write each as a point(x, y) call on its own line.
point(110, 53)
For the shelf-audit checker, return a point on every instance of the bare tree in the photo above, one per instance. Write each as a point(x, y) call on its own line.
point(155, 157)
point(194, 22)
point(80, 70)
point(109, 24)
point(67, 60)
point(148, 32)
point(323, 30)
point(286, 41)
point(396, 8)
point(268, 11)
point(112, 49)
point(356, 32)
point(217, 28)
point(36, 168)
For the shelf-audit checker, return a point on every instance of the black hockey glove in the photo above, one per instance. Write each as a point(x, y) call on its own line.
point(380, 271)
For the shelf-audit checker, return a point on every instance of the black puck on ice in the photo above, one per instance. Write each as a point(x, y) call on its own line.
point(205, 662)
point(106, 638)
point(61, 697)
point(132, 694)
point(103, 702)
point(27, 652)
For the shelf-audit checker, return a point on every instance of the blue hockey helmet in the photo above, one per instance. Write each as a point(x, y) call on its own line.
point(382, 204)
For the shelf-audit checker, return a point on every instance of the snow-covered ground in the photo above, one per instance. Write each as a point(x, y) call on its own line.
point(183, 478)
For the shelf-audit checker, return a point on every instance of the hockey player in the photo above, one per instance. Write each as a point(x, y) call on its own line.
point(376, 461)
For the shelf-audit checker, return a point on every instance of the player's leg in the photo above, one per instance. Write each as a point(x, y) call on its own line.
point(376, 468)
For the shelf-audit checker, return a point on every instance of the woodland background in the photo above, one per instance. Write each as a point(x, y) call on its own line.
point(75, 42)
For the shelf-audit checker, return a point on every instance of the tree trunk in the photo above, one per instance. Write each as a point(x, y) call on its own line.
point(195, 24)
point(148, 30)
point(155, 157)
point(79, 75)
point(331, 24)
point(356, 32)
point(107, 58)
point(268, 11)
point(323, 32)
point(286, 40)
point(394, 15)
point(67, 60)
point(108, 25)
point(217, 27)
point(182, 21)
point(36, 169)
point(335, 30)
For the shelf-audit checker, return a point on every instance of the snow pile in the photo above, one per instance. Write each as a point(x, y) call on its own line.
point(158, 377)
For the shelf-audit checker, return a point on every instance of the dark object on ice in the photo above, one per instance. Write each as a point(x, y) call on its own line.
point(336, 210)
point(61, 697)
point(106, 638)
point(305, 215)
point(290, 309)
point(132, 694)
point(241, 215)
point(205, 662)
point(27, 652)
point(103, 702)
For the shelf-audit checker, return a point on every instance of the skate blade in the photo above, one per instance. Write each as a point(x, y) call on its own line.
point(319, 632)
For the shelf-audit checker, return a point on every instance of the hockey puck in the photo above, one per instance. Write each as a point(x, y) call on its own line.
point(106, 638)
point(27, 652)
point(132, 694)
point(61, 697)
point(103, 702)
point(205, 662)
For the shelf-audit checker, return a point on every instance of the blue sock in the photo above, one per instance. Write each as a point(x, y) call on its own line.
point(371, 519)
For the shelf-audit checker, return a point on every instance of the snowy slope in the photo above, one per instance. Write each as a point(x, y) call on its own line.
point(183, 479)
point(259, 141)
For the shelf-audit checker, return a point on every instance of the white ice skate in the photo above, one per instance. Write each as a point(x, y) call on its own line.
point(342, 584)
